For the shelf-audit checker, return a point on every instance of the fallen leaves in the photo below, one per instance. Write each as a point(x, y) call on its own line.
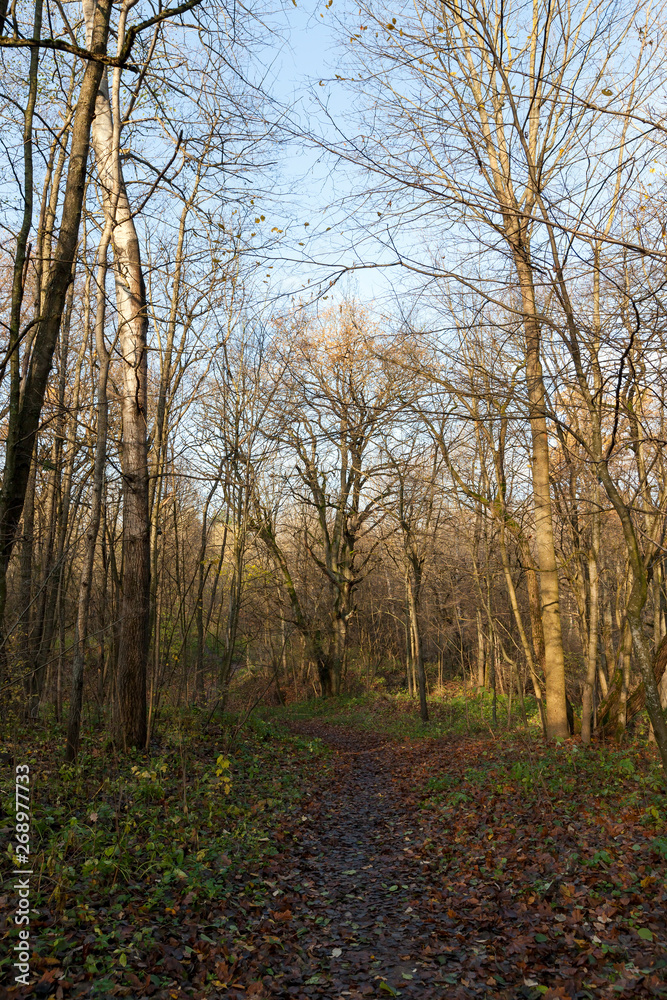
point(463, 869)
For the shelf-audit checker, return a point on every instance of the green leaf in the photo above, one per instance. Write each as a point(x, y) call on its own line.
point(645, 934)
point(103, 986)
point(541, 938)
point(388, 989)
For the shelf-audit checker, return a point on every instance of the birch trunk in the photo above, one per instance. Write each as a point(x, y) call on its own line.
point(132, 335)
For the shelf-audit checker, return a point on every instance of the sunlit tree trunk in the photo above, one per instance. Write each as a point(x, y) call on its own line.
point(132, 338)
point(554, 661)
point(481, 651)
point(593, 619)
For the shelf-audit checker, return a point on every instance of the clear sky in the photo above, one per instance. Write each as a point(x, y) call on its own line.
point(315, 190)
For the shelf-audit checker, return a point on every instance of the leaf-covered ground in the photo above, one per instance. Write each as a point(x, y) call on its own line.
point(142, 862)
point(347, 863)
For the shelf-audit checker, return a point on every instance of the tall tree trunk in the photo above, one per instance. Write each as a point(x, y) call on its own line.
point(57, 521)
point(625, 654)
point(339, 653)
point(554, 662)
point(132, 336)
point(481, 652)
point(42, 631)
point(414, 592)
point(85, 584)
point(25, 615)
point(604, 669)
point(658, 618)
point(409, 643)
point(593, 618)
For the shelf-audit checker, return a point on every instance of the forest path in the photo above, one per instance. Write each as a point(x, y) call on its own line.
point(368, 881)
point(479, 886)
point(358, 912)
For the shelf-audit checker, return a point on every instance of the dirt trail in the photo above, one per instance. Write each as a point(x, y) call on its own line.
point(352, 904)
point(359, 854)
point(373, 896)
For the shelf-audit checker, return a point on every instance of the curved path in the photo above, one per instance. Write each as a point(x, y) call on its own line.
point(373, 896)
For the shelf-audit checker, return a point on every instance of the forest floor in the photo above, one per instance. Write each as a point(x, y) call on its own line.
point(350, 860)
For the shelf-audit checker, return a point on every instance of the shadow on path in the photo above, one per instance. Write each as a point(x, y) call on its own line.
point(497, 895)
point(355, 913)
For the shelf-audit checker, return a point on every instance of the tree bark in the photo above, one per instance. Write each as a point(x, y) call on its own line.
point(481, 651)
point(593, 618)
point(25, 615)
point(414, 588)
point(554, 661)
point(85, 584)
point(132, 336)
point(610, 709)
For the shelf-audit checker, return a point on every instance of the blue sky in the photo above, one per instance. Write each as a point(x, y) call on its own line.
point(312, 185)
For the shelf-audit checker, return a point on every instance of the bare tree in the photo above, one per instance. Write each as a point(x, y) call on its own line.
point(478, 117)
point(414, 505)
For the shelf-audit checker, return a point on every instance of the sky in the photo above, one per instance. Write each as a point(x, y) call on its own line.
point(312, 188)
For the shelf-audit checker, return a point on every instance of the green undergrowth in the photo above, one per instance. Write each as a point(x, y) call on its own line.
point(146, 837)
point(516, 760)
point(561, 774)
point(457, 711)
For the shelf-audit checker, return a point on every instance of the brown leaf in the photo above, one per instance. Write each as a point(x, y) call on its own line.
point(223, 972)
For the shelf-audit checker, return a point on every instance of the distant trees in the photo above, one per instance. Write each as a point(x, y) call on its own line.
point(335, 396)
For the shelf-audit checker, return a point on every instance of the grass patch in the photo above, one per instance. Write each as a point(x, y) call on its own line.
point(456, 711)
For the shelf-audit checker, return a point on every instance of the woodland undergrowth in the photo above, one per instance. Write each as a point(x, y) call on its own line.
point(176, 872)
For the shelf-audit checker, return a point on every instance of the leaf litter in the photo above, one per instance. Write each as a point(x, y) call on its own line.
point(413, 868)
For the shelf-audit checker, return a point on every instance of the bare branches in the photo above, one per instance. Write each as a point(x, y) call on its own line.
point(86, 54)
